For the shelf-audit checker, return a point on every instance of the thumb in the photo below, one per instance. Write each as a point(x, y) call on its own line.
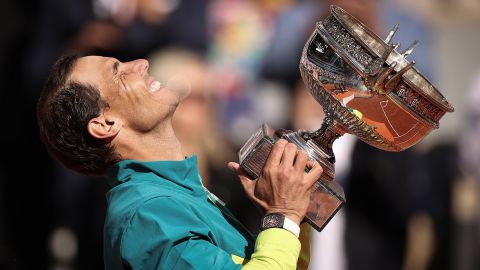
point(247, 183)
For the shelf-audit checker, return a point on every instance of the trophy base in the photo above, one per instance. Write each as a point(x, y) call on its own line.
point(327, 196)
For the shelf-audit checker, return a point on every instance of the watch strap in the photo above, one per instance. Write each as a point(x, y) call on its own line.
point(278, 220)
point(291, 226)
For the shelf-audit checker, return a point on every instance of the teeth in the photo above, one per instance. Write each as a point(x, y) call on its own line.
point(155, 86)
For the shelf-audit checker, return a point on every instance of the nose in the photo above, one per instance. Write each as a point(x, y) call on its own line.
point(138, 66)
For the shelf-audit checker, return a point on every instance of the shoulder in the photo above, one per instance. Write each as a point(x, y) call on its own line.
point(145, 222)
point(158, 225)
point(137, 206)
point(130, 199)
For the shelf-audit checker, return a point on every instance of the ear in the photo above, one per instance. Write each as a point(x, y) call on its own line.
point(105, 129)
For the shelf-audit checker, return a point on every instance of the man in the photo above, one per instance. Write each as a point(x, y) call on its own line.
point(99, 116)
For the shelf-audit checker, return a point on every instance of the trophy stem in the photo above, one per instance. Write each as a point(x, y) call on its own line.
point(325, 136)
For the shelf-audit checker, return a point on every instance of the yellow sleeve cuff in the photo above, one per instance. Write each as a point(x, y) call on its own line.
point(275, 249)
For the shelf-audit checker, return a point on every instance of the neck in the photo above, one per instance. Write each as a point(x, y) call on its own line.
point(159, 144)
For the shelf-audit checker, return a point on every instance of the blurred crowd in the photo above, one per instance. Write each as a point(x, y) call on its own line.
point(417, 209)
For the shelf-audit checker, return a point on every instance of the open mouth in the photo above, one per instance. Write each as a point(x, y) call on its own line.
point(153, 84)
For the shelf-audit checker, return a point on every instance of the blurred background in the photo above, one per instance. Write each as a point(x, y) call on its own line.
point(418, 209)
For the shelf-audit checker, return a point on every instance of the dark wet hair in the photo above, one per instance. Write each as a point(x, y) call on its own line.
point(63, 111)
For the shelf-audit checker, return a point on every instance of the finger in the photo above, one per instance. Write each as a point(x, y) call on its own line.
point(289, 154)
point(301, 160)
point(276, 154)
point(315, 172)
point(233, 166)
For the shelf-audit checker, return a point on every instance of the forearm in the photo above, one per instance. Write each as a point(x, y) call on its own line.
point(274, 249)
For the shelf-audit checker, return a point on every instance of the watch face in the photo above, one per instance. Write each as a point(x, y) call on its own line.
point(273, 221)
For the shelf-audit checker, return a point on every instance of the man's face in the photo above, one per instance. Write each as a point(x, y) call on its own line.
point(141, 101)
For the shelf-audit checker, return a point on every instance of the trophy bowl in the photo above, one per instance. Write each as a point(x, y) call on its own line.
point(366, 88)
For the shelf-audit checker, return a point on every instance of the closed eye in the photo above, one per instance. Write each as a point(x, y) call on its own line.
point(115, 66)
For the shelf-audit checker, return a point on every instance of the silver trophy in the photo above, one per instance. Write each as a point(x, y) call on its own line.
point(367, 88)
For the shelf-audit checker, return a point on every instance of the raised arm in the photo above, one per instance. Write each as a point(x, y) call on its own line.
point(283, 187)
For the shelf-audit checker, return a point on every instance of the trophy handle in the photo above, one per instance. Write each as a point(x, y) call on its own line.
point(327, 196)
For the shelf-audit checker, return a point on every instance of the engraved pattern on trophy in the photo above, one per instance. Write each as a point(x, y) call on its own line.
point(366, 88)
point(345, 40)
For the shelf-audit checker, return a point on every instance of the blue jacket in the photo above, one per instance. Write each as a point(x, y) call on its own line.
point(160, 216)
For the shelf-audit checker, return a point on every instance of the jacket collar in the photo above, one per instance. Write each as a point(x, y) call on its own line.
point(183, 173)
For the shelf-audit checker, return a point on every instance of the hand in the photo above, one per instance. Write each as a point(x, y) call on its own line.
point(283, 185)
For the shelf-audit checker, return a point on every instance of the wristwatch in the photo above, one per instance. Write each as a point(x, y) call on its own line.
point(278, 220)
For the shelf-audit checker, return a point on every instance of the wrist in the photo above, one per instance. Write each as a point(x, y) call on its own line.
point(289, 214)
point(279, 220)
